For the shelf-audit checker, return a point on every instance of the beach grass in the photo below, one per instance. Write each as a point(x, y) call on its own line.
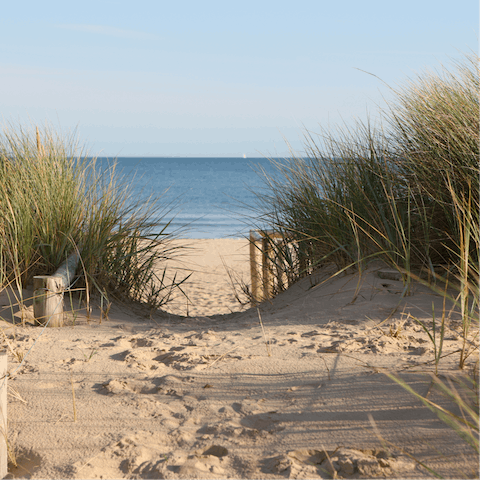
point(55, 200)
point(404, 191)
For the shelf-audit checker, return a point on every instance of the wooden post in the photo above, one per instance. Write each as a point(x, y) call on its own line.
point(48, 300)
point(3, 415)
point(272, 268)
point(279, 266)
point(253, 266)
point(266, 267)
point(48, 292)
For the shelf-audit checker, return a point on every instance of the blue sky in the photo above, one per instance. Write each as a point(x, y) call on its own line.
point(219, 78)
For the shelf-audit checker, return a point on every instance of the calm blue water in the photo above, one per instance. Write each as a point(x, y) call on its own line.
point(209, 191)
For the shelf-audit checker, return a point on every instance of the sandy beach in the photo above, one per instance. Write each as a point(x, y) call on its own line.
point(215, 266)
point(201, 390)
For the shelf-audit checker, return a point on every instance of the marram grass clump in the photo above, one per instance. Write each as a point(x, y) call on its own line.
point(400, 190)
point(55, 199)
point(404, 191)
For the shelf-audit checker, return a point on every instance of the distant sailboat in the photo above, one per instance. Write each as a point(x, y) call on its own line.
point(244, 156)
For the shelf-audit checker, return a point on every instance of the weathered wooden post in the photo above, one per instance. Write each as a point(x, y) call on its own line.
point(253, 266)
point(280, 265)
point(272, 268)
point(267, 266)
point(48, 292)
point(3, 415)
point(48, 300)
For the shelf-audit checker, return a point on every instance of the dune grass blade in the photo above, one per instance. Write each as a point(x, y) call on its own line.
point(467, 265)
point(466, 426)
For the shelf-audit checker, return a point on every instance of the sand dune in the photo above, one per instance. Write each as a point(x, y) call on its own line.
point(216, 396)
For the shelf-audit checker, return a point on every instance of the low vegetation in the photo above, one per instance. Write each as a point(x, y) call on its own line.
point(404, 191)
point(54, 199)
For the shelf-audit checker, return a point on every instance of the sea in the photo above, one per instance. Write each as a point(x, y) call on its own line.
point(203, 197)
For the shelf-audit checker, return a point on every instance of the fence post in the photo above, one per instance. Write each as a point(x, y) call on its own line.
point(253, 266)
point(266, 267)
point(280, 265)
point(48, 292)
point(271, 268)
point(48, 300)
point(3, 415)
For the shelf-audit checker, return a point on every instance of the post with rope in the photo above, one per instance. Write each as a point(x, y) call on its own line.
point(48, 292)
point(3, 415)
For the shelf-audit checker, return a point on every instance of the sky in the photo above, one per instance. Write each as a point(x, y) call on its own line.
point(217, 78)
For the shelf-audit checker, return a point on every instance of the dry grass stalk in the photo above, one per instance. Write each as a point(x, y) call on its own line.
point(73, 400)
point(17, 353)
point(13, 392)
point(267, 342)
point(11, 450)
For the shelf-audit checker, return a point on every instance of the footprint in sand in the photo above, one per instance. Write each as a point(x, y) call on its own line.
point(177, 358)
point(151, 358)
point(193, 352)
point(227, 412)
point(142, 455)
point(141, 342)
point(263, 422)
point(165, 385)
point(248, 406)
point(213, 461)
point(382, 344)
point(127, 385)
point(26, 368)
point(241, 419)
point(172, 385)
point(207, 336)
point(312, 333)
point(339, 463)
point(237, 421)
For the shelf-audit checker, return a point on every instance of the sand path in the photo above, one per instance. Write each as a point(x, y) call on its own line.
point(216, 397)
